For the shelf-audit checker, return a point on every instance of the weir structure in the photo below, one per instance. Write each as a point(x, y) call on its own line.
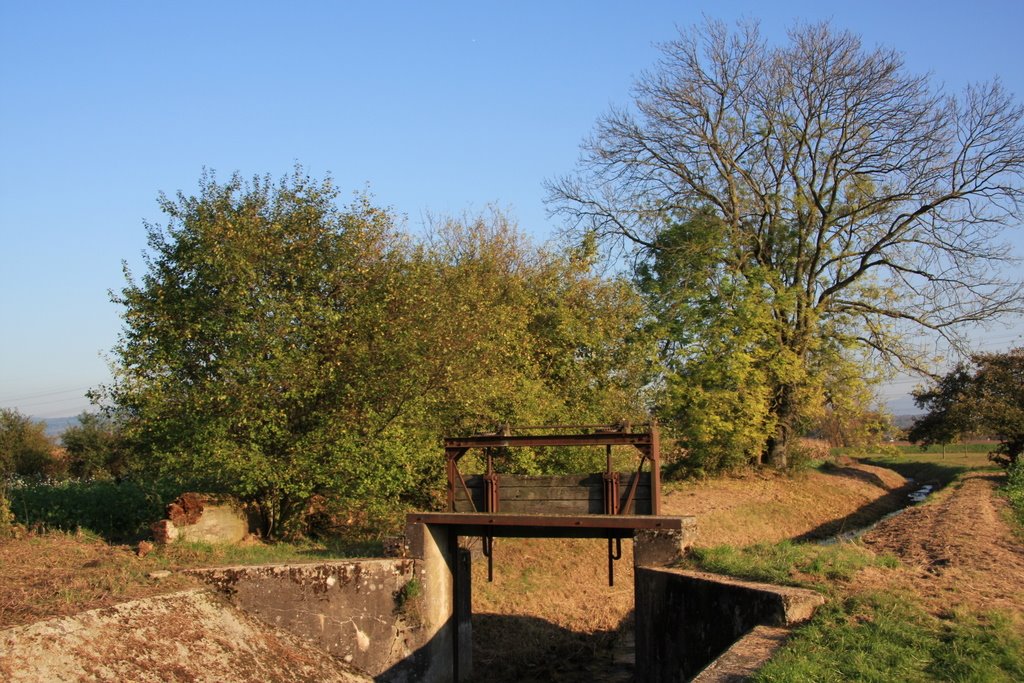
point(608, 505)
point(407, 618)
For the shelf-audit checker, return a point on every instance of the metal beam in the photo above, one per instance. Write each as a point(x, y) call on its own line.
point(546, 526)
point(529, 440)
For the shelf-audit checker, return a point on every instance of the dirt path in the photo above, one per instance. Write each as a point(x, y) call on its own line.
point(957, 550)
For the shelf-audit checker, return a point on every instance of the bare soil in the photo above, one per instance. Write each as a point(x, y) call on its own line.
point(957, 550)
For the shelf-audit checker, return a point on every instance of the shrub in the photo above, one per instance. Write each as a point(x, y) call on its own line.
point(25, 449)
point(1015, 488)
point(116, 512)
point(6, 516)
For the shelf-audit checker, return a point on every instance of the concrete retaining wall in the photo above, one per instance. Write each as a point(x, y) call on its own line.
point(187, 636)
point(684, 619)
point(370, 613)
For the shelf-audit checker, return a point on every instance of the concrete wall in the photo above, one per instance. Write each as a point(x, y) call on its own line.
point(446, 572)
point(186, 636)
point(684, 619)
point(394, 618)
point(372, 614)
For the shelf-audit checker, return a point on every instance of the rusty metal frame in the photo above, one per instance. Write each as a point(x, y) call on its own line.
point(646, 440)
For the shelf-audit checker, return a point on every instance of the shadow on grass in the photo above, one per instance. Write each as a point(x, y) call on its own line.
point(922, 471)
point(509, 648)
point(926, 469)
point(862, 517)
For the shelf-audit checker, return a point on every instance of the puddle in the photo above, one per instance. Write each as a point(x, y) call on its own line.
point(919, 495)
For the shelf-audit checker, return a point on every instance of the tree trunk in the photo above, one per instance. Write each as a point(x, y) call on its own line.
point(777, 446)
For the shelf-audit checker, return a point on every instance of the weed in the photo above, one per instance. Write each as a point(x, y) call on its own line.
point(6, 516)
point(1014, 490)
point(117, 512)
point(407, 593)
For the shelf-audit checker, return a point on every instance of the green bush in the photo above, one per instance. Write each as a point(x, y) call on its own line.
point(116, 512)
point(1015, 488)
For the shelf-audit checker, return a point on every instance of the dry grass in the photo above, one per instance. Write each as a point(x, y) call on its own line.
point(56, 574)
point(765, 506)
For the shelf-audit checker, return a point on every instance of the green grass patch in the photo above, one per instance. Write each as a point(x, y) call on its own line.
point(881, 637)
point(947, 450)
point(927, 467)
point(789, 563)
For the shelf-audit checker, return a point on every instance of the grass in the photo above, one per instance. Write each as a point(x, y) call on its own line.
point(789, 563)
point(883, 637)
point(183, 555)
point(931, 466)
point(948, 450)
point(57, 573)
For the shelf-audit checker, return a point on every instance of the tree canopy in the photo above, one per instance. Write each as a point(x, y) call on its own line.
point(94, 447)
point(25, 448)
point(796, 211)
point(280, 346)
point(984, 395)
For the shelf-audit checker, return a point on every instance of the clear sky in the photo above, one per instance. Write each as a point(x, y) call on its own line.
point(436, 107)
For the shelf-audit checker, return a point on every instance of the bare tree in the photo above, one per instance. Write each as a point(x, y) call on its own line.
point(876, 200)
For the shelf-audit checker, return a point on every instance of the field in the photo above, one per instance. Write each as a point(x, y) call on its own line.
point(941, 581)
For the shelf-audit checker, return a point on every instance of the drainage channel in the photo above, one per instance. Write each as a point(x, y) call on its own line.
point(916, 496)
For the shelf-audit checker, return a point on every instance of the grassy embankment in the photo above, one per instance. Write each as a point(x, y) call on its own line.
point(871, 635)
point(72, 552)
point(876, 634)
point(56, 573)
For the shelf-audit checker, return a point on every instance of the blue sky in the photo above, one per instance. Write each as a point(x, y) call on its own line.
point(440, 107)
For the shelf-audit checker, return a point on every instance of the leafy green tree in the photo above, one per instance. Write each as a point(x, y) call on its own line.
point(817, 191)
point(255, 355)
point(985, 395)
point(25, 448)
point(280, 348)
point(539, 337)
point(94, 448)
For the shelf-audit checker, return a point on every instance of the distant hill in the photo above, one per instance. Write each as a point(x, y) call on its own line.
point(905, 421)
point(55, 426)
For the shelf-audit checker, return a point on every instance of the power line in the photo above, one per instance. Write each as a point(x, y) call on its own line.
point(15, 399)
